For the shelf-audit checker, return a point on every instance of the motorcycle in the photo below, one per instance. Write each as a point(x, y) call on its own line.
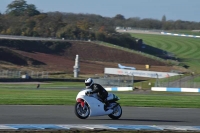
point(89, 105)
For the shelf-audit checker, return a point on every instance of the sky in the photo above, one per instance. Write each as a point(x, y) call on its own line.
point(186, 10)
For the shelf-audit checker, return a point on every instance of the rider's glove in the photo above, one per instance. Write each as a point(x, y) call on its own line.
point(87, 93)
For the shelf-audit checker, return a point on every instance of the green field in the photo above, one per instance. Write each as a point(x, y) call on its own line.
point(185, 48)
point(14, 94)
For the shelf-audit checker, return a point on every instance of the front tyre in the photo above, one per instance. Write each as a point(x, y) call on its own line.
point(82, 112)
point(117, 112)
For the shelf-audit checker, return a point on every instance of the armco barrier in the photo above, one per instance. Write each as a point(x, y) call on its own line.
point(175, 89)
point(183, 35)
point(119, 89)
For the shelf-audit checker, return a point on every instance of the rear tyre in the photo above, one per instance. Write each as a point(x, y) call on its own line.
point(82, 112)
point(117, 112)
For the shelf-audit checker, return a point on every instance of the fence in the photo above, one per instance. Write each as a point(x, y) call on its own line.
point(179, 82)
point(23, 74)
point(115, 81)
point(10, 74)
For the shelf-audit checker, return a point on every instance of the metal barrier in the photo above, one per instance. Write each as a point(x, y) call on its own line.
point(115, 81)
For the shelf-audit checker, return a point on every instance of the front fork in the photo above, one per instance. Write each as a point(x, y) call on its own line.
point(82, 103)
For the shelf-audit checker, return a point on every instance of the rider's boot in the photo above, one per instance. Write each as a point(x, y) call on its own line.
point(106, 104)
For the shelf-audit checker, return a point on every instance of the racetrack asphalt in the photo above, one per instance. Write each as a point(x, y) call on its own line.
point(63, 114)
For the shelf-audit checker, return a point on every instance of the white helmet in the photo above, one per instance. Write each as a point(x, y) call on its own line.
point(88, 82)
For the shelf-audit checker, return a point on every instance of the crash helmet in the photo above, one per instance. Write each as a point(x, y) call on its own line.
point(88, 82)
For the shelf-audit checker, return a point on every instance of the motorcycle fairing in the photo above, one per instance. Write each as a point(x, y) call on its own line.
point(96, 106)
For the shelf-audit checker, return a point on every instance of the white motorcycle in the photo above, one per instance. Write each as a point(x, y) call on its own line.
point(89, 105)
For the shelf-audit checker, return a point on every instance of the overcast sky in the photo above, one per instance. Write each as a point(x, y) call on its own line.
point(187, 10)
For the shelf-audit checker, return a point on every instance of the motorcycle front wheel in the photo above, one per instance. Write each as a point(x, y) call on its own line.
point(117, 112)
point(82, 112)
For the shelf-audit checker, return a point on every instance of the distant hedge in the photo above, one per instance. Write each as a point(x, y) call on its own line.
point(36, 46)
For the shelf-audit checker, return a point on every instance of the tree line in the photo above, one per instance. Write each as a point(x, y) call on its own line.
point(24, 19)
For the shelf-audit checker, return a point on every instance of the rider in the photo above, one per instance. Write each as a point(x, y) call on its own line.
point(97, 88)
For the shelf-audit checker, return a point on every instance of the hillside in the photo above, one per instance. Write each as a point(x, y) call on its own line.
point(185, 50)
point(93, 57)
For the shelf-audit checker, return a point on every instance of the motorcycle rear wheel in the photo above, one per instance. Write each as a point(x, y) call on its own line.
point(81, 112)
point(117, 112)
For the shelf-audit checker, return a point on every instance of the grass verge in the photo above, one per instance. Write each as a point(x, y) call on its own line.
point(16, 95)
